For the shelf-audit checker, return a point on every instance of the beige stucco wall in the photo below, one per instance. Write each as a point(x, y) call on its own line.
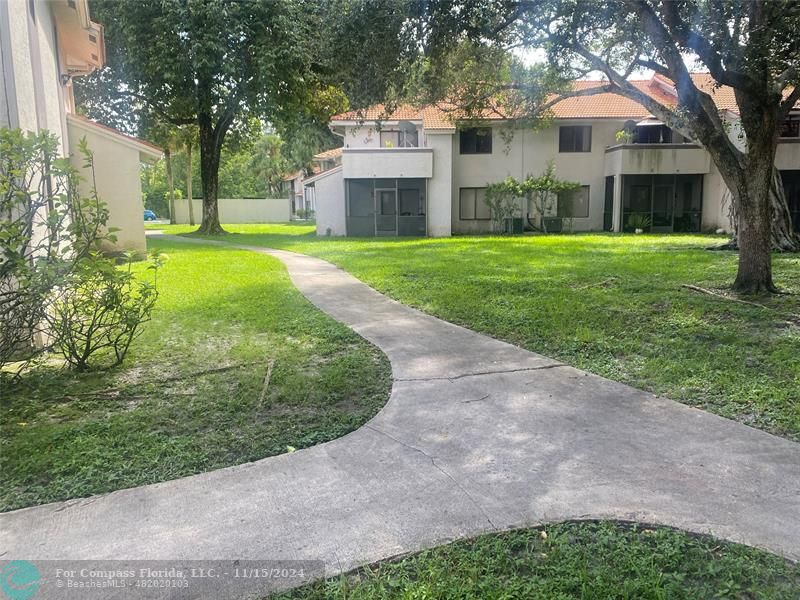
point(117, 181)
point(361, 137)
point(788, 156)
point(330, 205)
point(716, 202)
point(649, 159)
point(238, 210)
point(716, 197)
point(30, 70)
point(527, 154)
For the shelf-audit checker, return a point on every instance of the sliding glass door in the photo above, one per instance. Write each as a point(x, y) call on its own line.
point(662, 203)
point(663, 208)
point(385, 211)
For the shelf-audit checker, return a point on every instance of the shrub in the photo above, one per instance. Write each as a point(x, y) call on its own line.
point(101, 310)
point(539, 192)
point(50, 242)
point(44, 229)
point(503, 200)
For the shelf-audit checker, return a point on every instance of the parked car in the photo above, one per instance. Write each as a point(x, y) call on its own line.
point(149, 215)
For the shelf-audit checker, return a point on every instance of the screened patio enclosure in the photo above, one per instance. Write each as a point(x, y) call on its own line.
point(385, 207)
point(668, 202)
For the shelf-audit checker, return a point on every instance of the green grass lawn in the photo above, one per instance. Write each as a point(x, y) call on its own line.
point(189, 396)
point(613, 305)
point(580, 560)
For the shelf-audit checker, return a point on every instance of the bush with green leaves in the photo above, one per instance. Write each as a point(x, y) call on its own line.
point(100, 311)
point(638, 221)
point(51, 238)
point(504, 198)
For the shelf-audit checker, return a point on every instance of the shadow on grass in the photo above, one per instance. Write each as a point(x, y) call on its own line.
point(194, 393)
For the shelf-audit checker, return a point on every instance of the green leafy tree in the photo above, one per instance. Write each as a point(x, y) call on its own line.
point(540, 192)
point(213, 64)
point(268, 163)
point(503, 199)
point(751, 47)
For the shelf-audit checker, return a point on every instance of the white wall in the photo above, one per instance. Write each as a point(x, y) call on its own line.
point(440, 185)
point(330, 204)
point(717, 198)
point(387, 163)
point(361, 137)
point(117, 182)
point(238, 210)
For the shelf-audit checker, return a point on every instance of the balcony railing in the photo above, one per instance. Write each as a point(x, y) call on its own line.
point(656, 159)
point(367, 163)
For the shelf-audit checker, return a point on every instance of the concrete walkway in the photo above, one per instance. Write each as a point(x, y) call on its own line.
point(478, 435)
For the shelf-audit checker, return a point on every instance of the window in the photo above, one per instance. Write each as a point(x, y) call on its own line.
point(472, 205)
point(653, 134)
point(390, 139)
point(575, 138)
point(399, 139)
point(574, 203)
point(477, 140)
point(360, 202)
point(791, 127)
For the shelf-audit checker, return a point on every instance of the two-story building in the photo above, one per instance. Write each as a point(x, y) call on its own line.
point(299, 184)
point(44, 45)
point(416, 172)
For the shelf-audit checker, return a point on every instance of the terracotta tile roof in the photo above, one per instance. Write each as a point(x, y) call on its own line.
point(328, 154)
point(600, 106)
point(300, 174)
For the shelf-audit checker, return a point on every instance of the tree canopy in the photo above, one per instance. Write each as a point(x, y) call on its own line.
point(214, 64)
point(751, 47)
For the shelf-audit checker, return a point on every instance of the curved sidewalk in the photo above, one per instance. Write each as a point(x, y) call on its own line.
point(478, 435)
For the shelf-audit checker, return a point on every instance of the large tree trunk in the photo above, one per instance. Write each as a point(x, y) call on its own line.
point(759, 204)
point(783, 237)
point(170, 184)
point(210, 147)
point(189, 182)
point(754, 221)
